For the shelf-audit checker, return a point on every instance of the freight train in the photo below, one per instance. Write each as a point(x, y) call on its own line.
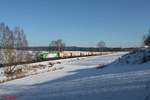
point(68, 54)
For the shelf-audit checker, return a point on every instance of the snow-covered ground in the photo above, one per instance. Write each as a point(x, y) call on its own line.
point(82, 80)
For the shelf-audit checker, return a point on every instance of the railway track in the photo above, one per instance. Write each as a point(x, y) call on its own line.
point(40, 60)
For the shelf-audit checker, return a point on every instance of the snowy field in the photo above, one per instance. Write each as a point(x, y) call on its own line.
point(82, 80)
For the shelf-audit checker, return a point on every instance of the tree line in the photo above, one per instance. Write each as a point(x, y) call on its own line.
point(59, 45)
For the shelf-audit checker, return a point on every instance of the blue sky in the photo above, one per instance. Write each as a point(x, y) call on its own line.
point(79, 22)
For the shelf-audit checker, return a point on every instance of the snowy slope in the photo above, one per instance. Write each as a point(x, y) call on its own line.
point(81, 80)
point(138, 56)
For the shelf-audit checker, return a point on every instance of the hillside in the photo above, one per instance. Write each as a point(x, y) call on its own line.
point(84, 79)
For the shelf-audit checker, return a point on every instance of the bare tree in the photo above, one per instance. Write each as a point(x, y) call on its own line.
point(9, 42)
point(101, 45)
point(58, 45)
point(53, 45)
